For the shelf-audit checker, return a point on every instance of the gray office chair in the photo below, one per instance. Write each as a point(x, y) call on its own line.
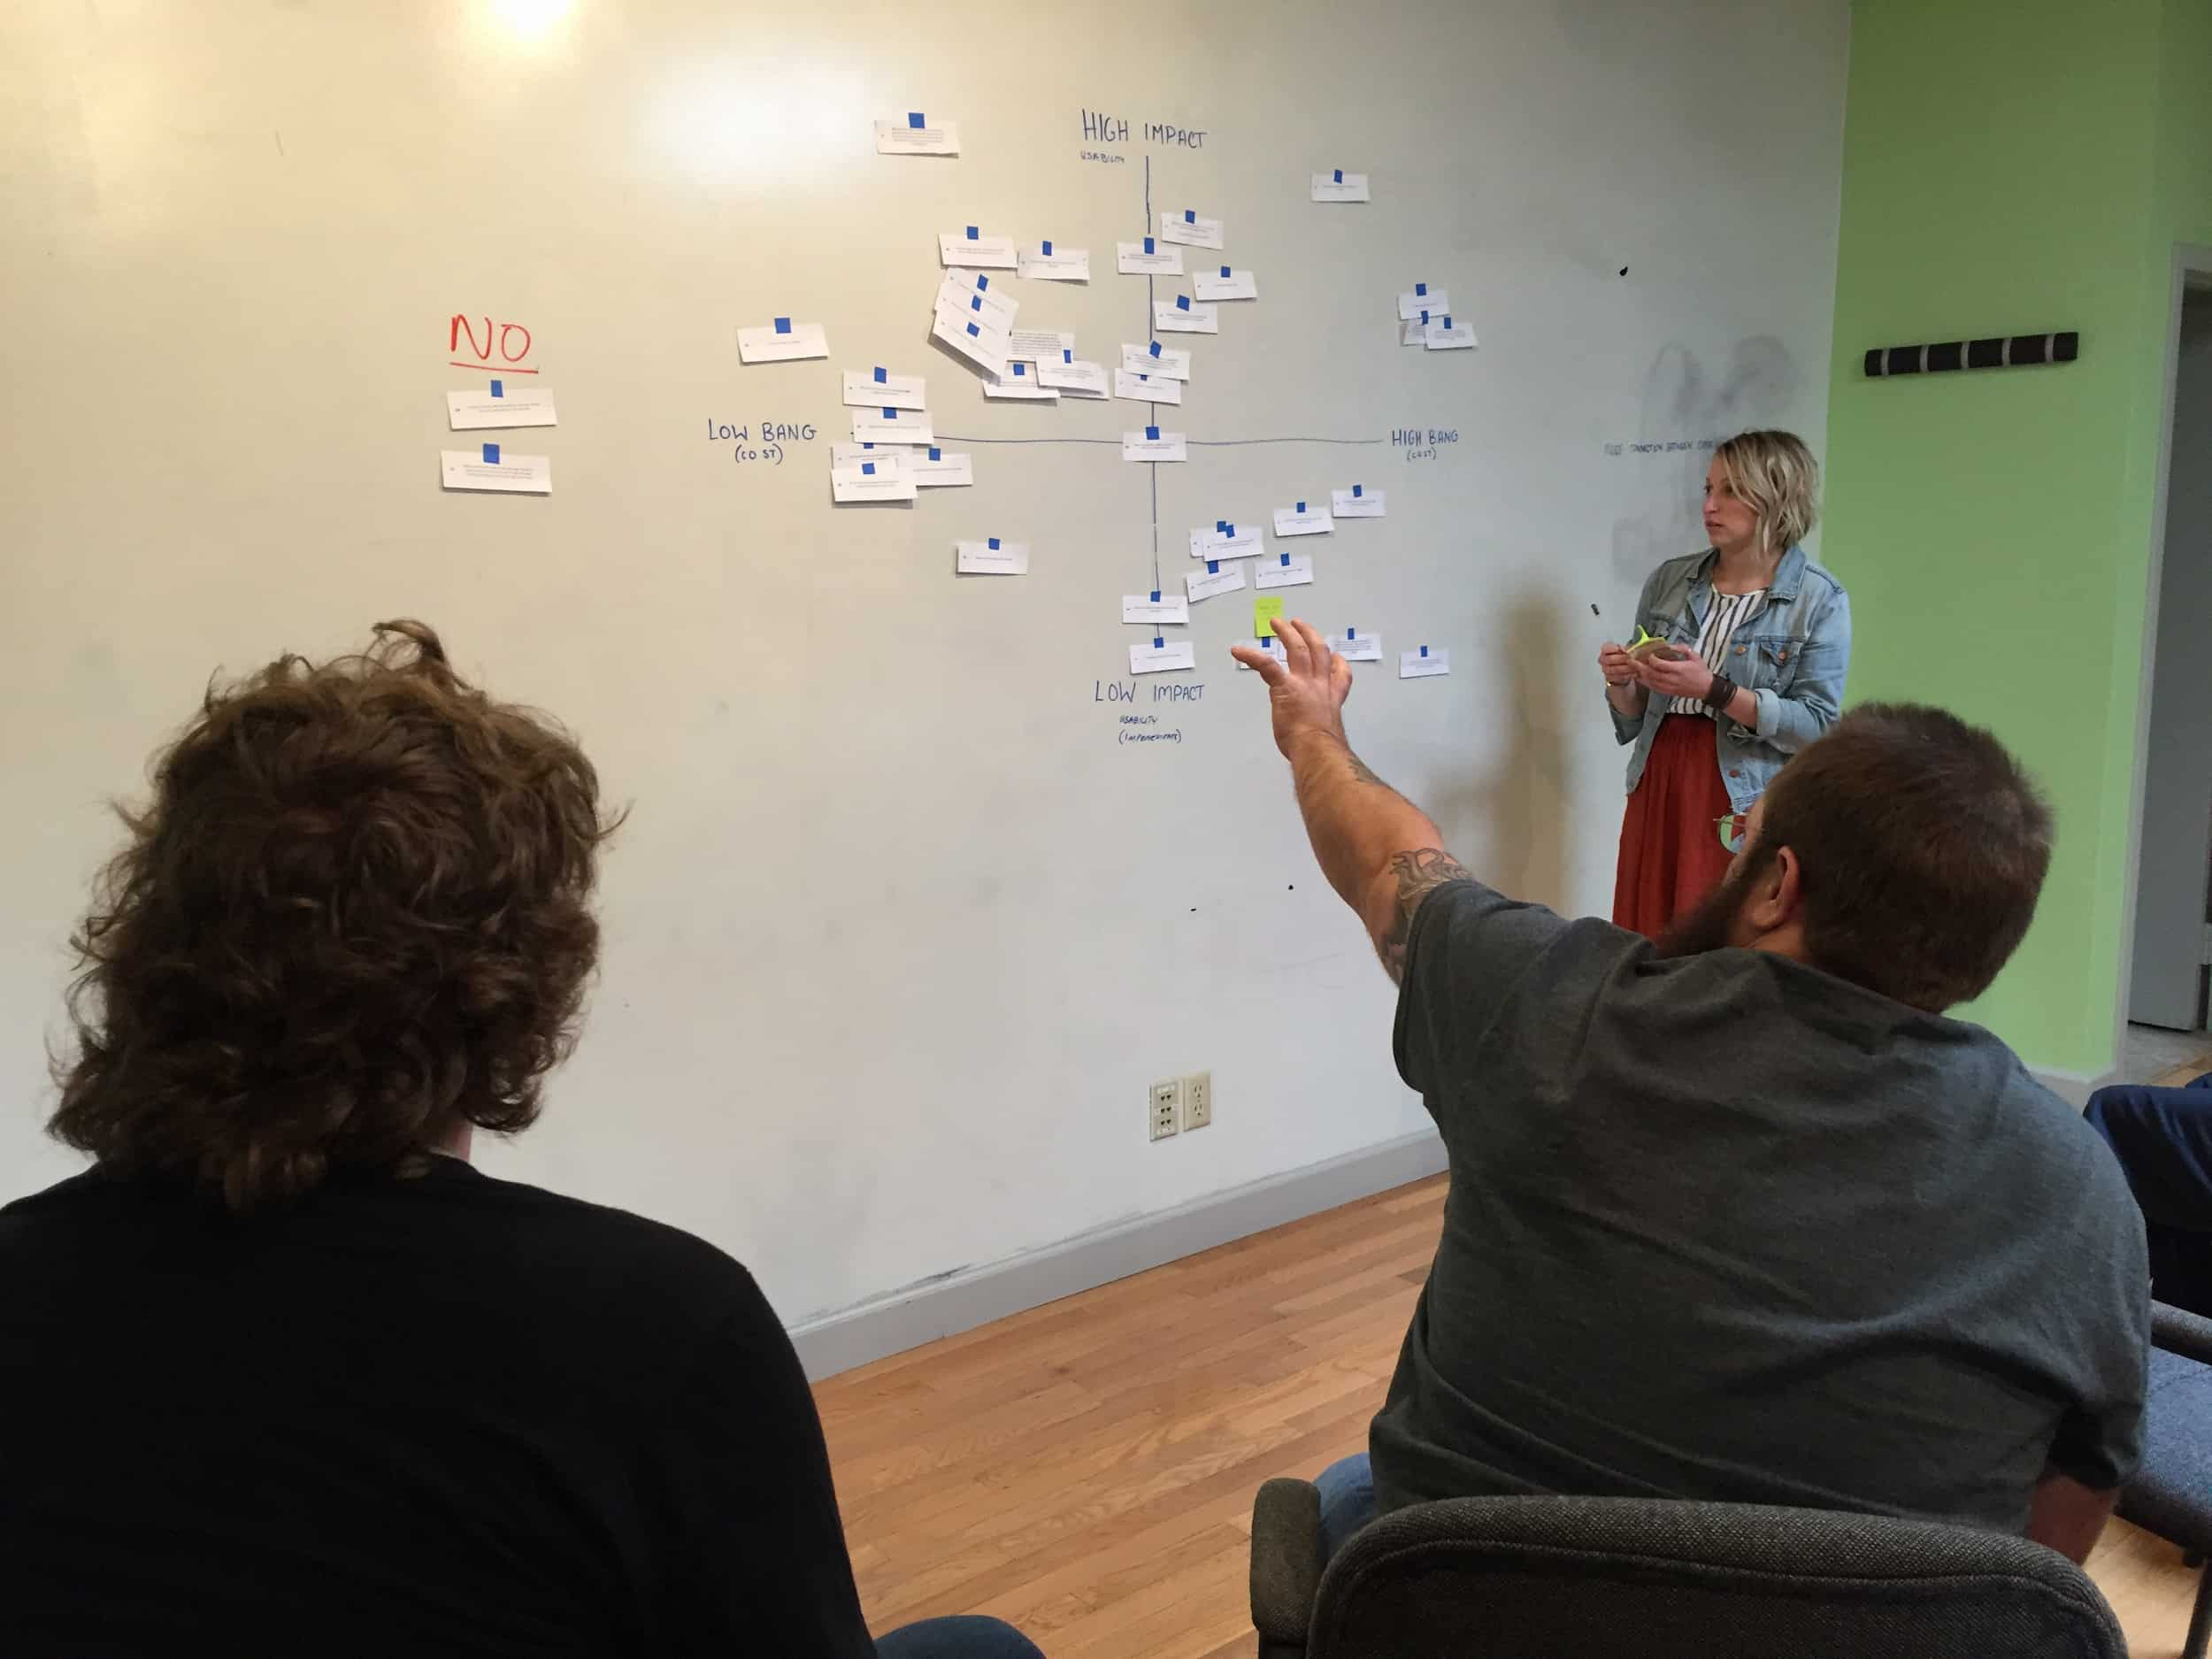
point(2171, 1494)
point(1565, 1577)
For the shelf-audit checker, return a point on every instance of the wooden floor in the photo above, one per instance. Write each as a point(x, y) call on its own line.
point(1086, 1470)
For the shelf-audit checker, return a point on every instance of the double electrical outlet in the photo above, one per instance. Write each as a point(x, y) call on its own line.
point(1180, 1102)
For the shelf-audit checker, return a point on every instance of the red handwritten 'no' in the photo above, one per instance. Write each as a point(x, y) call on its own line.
point(460, 325)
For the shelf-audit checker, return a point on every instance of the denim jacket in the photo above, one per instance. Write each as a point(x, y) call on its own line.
point(1790, 652)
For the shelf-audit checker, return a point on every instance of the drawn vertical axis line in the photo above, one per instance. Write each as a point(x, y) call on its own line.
point(1152, 468)
point(1148, 301)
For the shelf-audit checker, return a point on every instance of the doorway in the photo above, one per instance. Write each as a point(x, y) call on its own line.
point(2171, 948)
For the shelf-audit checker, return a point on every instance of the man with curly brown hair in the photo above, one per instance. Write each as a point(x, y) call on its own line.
point(282, 1373)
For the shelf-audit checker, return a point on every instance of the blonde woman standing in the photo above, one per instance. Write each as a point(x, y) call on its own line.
point(1749, 644)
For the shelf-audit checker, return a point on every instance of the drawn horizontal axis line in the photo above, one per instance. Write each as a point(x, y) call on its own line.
point(1231, 443)
point(1195, 443)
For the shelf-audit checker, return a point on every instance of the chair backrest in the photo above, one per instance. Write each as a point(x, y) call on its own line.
point(1576, 1577)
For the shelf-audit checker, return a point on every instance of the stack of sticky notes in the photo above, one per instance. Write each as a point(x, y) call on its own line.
point(1425, 318)
point(1185, 243)
point(503, 405)
point(973, 316)
point(894, 449)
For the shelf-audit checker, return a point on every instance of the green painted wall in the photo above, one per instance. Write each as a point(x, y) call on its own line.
point(2012, 167)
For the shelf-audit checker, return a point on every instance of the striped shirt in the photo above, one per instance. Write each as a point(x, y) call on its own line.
point(1721, 621)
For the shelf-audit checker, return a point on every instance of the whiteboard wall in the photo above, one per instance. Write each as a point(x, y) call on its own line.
point(900, 926)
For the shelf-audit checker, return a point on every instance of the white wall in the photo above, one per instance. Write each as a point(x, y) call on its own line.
point(898, 932)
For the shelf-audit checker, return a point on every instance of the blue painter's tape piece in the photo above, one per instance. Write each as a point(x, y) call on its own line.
point(867, 469)
point(983, 283)
point(1350, 634)
point(1156, 595)
point(1066, 355)
point(1020, 369)
point(1340, 178)
point(1447, 322)
point(1425, 319)
point(1151, 434)
point(1228, 528)
point(936, 454)
point(976, 235)
point(994, 544)
point(868, 446)
point(1301, 509)
point(1213, 567)
point(1286, 561)
point(491, 455)
point(1148, 245)
point(1189, 217)
point(1153, 348)
point(499, 388)
point(1356, 491)
point(1158, 645)
point(974, 330)
point(914, 119)
point(1048, 247)
point(783, 325)
point(1221, 526)
point(1424, 651)
point(890, 414)
point(881, 378)
point(1182, 302)
point(975, 304)
point(1420, 289)
point(1225, 273)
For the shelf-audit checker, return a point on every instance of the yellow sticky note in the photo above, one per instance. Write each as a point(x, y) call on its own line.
point(1265, 609)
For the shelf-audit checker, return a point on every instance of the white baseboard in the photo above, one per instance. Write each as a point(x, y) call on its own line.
point(839, 1342)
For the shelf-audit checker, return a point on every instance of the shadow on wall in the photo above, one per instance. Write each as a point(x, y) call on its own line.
point(1681, 402)
point(1521, 799)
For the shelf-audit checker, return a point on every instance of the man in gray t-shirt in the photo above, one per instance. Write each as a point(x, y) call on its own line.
point(1742, 1216)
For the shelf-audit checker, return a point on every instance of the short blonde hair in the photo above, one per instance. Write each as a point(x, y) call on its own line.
point(1775, 475)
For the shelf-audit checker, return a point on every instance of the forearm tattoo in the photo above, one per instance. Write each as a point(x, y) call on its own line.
point(1361, 772)
point(1418, 873)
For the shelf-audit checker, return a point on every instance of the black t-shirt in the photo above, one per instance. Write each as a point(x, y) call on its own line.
point(438, 1415)
point(1728, 1227)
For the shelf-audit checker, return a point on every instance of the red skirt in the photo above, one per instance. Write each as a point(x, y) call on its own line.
point(1671, 855)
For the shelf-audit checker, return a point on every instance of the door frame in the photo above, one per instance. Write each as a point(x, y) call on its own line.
point(2190, 268)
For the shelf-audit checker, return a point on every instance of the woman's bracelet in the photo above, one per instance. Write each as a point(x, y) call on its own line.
point(1723, 694)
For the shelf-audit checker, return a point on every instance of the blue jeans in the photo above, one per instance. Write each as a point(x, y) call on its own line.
point(964, 1638)
point(2163, 1140)
point(1348, 1502)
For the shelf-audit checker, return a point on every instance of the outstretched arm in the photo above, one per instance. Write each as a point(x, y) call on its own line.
point(1379, 850)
